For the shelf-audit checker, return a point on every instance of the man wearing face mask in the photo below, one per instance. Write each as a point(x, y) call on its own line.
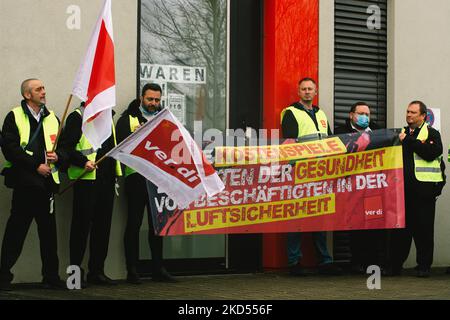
point(139, 112)
point(358, 121)
point(366, 246)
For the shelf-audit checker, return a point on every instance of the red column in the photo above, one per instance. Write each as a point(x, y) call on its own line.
point(291, 52)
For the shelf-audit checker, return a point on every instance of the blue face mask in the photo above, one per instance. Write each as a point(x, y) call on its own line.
point(362, 121)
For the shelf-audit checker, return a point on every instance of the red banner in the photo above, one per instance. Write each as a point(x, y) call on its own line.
point(347, 182)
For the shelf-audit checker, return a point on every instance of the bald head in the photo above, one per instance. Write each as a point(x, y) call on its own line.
point(33, 91)
point(25, 87)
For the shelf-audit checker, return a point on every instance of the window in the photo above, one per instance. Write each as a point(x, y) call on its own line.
point(360, 70)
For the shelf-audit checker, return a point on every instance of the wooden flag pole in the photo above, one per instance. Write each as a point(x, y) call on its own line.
point(72, 183)
point(62, 123)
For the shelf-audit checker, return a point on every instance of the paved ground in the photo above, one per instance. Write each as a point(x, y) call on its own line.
point(261, 286)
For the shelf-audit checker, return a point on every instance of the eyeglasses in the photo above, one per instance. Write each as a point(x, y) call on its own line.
point(153, 99)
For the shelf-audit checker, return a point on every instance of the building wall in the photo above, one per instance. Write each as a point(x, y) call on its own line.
point(36, 42)
point(419, 69)
point(326, 67)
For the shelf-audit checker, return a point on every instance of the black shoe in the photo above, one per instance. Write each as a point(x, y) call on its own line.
point(392, 272)
point(53, 283)
point(297, 271)
point(6, 286)
point(5, 281)
point(330, 269)
point(423, 273)
point(161, 275)
point(133, 278)
point(100, 280)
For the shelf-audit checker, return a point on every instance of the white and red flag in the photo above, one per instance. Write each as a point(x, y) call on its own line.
point(95, 82)
point(163, 151)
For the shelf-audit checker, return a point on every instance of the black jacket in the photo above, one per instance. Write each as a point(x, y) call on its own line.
point(289, 124)
point(123, 126)
point(427, 150)
point(24, 173)
point(71, 136)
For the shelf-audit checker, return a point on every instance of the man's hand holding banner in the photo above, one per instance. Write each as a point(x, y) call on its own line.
point(346, 182)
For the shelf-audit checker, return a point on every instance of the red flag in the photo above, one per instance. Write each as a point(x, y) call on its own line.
point(164, 152)
point(95, 81)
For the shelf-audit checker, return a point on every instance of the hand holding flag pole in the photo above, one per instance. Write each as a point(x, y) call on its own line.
point(95, 83)
point(129, 138)
point(85, 171)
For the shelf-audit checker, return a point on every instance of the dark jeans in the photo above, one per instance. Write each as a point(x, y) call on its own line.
point(138, 199)
point(93, 202)
point(294, 251)
point(29, 204)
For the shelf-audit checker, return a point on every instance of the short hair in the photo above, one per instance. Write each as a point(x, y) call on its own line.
point(307, 79)
point(151, 86)
point(422, 106)
point(360, 103)
point(24, 87)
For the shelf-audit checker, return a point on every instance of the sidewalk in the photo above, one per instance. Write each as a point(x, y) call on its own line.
point(261, 286)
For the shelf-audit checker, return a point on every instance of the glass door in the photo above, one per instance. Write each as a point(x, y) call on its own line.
point(183, 48)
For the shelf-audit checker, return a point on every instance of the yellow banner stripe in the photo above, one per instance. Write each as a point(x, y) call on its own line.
point(349, 164)
point(235, 156)
point(251, 214)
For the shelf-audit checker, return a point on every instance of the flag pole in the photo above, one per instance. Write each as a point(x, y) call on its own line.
point(72, 183)
point(62, 122)
point(126, 140)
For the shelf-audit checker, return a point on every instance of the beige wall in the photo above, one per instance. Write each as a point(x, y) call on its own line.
point(35, 42)
point(326, 67)
point(326, 57)
point(419, 69)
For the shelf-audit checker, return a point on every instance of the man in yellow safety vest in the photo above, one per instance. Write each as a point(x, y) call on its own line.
point(31, 170)
point(423, 178)
point(139, 191)
point(304, 121)
point(93, 197)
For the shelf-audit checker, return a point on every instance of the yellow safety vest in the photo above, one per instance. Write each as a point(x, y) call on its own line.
point(426, 171)
point(134, 124)
point(50, 127)
point(448, 153)
point(306, 126)
point(88, 151)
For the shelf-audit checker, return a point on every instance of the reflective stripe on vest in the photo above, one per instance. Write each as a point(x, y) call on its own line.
point(134, 124)
point(50, 127)
point(306, 126)
point(426, 171)
point(90, 153)
point(118, 166)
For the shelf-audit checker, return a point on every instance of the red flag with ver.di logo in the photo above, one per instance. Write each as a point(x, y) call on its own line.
point(95, 81)
point(163, 151)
